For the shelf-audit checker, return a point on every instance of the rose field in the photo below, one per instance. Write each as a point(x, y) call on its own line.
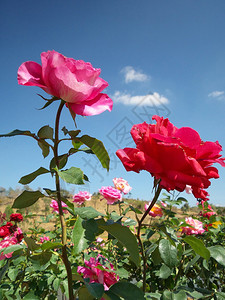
point(106, 245)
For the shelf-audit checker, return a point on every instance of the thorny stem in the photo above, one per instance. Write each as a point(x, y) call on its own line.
point(144, 257)
point(62, 220)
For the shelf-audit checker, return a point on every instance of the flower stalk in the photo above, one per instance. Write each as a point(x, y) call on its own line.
point(61, 216)
point(140, 223)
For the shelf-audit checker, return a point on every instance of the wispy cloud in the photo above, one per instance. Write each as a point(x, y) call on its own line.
point(132, 75)
point(220, 95)
point(145, 100)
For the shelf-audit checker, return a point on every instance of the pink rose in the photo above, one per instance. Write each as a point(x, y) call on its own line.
point(74, 81)
point(55, 207)
point(6, 242)
point(122, 185)
point(196, 226)
point(111, 194)
point(105, 277)
point(176, 156)
point(156, 211)
point(81, 197)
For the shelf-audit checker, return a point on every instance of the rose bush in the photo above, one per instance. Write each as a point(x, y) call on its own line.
point(176, 157)
point(74, 81)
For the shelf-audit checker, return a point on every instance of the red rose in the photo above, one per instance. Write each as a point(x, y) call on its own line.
point(4, 231)
point(176, 156)
point(16, 217)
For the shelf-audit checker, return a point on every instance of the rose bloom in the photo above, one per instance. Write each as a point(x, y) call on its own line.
point(81, 197)
point(16, 217)
point(197, 226)
point(55, 207)
point(74, 81)
point(6, 242)
point(106, 277)
point(4, 231)
point(156, 211)
point(122, 185)
point(176, 156)
point(111, 194)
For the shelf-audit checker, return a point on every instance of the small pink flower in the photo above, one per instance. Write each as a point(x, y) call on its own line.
point(188, 189)
point(44, 238)
point(55, 206)
point(122, 185)
point(81, 197)
point(196, 226)
point(105, 277)
point(6, 242)
point(156, 211)
point(111, 194)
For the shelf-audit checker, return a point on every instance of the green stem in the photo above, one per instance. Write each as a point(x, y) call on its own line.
point(61, 216)
point(144, 258)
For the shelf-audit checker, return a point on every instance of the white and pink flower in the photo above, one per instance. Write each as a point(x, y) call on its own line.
point(196, 226)
point(81, 197)
point(122, 185)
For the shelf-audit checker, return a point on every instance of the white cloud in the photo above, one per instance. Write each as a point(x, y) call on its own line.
point(146, 100)
point(132, 75)
point(217, 94)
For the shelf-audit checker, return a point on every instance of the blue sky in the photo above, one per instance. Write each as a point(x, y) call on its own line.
point(173, 49)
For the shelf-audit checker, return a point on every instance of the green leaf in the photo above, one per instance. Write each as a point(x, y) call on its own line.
point(98, 149)
point(125, 237)
point(27, 198)
point(44, 147)
point(164, 272)
point(83, 294)
point(168, 253)
point(12, 248)
point(218, 253)
point(18, 132)
point(51, 245)
point(87, 212)
point(72, 175)
point(127, 290)
point(30, 177)
point(220, 295)
point(168, 295)
point(13, 274)
point(31, 243)
point(95, 289)
point(198, 246)
point(78, 237)
point(46, 132)
point(62, 162)
point(31, 296)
